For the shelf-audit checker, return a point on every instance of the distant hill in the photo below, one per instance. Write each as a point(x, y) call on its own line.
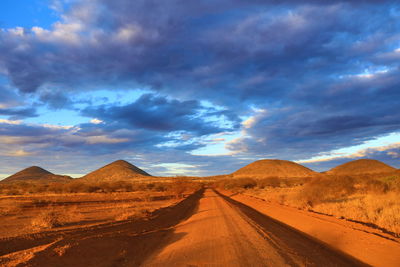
point(36, 174)
point(361, 166)
point(118, 170)
point(274, 168)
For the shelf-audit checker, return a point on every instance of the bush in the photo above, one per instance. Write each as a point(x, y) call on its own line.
point(375, 186)
point(324, 189)
point(48, 219)
point(269, 182)
point(179, 187)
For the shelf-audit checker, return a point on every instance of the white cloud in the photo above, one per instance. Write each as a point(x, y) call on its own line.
point(17, 122)
point(96, 121)
point(18, 31)
point(19, 153)
point(127, 33)
point(59, 127)
point(358, 154)
point(251, 121)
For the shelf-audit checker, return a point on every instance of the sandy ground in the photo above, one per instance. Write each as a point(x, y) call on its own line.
point(206, 229)
point(84, 209)
point(368, 244)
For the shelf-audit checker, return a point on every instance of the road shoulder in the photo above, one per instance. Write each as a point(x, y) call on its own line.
point(364, 243)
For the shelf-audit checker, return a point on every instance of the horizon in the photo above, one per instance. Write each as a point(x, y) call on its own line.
point(77, 175)
point(197, 89)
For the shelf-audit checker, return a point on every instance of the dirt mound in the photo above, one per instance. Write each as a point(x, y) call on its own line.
point(361, 166)
point(36, 174)
point(118, 170)
point(274, 168)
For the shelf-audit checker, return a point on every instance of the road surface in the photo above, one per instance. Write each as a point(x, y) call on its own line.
point(223, 233)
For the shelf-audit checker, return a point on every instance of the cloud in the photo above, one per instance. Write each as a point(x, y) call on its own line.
point(18, 113)
point(296, 78)
point(388, 154)
point(156, 113)
point(19, 153)
point(390, 150)
point(96, 121)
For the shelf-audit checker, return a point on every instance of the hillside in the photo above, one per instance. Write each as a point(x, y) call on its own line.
point(361, 166)
point(36, 174)
point(274, 168)
point(118, 170)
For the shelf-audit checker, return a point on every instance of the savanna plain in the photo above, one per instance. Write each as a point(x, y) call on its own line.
point(268, 213)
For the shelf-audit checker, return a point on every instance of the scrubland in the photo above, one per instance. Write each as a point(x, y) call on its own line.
point(34, 207)
point(369, 199)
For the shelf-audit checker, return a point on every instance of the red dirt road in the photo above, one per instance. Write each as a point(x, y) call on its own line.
point(220, 234)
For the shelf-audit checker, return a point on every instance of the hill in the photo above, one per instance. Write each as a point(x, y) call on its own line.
point(36, 174)
point(118, 170)
point(361, 166)
point(274, 168)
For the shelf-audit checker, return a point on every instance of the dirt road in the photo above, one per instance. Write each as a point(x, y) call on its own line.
point(221, 234)
point(206, 229)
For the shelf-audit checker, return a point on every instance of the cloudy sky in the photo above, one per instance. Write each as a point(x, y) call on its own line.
point(197, 87)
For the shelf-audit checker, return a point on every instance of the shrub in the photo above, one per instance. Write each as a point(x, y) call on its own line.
point(269, 182)
point(129, 215)
point(323, 189)
point(48, 219)
point(179, 187)
point(51, 218)
point(375, 186)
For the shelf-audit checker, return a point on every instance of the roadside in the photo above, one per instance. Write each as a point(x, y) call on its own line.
point(362, 242)
point(125, 243)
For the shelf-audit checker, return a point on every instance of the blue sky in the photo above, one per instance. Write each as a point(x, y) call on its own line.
point(197, 88)
point(27, 13)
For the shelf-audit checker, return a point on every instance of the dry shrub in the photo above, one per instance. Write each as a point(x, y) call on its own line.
point(395, 185)
point(236, 184)
point(329, 188)
point(79, 186)
point(269, 182)
point(382, 210)
point(48, 219)
point(131, 215)
point(51, 218)
point(375, 186)
point(60, 251)
point(181, 187)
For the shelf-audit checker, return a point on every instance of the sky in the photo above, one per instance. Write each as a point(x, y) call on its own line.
point(197, 87)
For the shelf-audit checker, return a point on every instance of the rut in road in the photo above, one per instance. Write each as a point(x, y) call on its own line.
point(225, 233)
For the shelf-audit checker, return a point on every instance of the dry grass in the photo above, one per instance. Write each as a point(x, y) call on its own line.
point(39, 207)
point(133, 213)
point(368, 199)
point(51, 218)
point(9, 207)
point(382, 210)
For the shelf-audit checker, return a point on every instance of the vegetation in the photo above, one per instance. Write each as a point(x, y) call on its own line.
point(69, 204)
point(178, 187)
point(371, 199)
point(240, 184)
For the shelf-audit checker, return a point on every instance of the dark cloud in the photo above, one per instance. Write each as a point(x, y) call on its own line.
point(56, 100)
point(158, 113)
point(314, 75)
point(18, 113)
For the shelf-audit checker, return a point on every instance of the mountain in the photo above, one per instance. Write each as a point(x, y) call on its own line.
point(361, 166)
point(118, 170)
point(36, 174)
point(274, 168)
